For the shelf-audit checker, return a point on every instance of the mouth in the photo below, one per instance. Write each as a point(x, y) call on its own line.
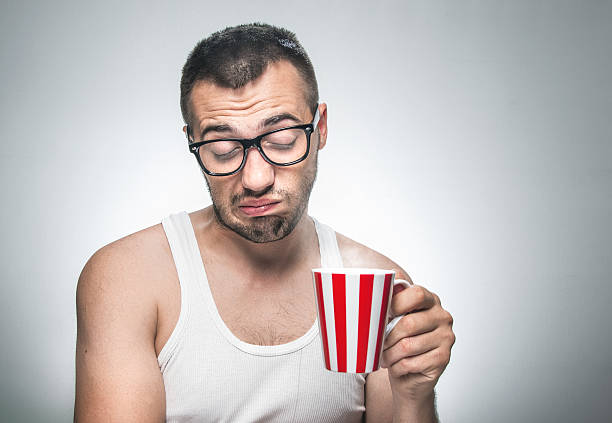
point(258, 207)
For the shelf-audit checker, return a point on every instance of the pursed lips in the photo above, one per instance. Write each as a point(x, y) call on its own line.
point(258, 207)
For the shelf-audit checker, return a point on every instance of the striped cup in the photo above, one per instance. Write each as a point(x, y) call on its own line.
point(353, 307)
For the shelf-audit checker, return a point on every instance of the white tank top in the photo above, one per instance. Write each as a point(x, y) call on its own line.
point(211, 375)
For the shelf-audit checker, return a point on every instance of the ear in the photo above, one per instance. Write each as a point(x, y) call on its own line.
point(322, 125)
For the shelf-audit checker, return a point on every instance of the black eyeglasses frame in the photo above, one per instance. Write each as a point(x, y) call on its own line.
point(194, 147)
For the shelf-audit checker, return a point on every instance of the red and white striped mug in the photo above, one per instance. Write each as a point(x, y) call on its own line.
point(353, 308)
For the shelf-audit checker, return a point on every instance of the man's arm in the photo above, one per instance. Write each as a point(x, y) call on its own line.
point(117, 374)
point(417, 349)
point(379, 402)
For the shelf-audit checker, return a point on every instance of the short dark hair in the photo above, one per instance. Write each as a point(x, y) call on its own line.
point(236, 55)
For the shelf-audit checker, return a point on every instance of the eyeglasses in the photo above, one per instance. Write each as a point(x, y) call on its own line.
point(281, 147)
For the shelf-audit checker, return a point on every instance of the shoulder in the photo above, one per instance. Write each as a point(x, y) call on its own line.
point(130, 257)
point(355, 254)
point(126, 275)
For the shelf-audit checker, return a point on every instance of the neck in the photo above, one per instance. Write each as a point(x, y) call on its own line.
point(276, 256)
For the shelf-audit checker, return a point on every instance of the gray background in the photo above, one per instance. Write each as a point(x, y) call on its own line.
point(469, 141)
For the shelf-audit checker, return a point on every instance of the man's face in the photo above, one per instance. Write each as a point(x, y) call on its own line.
point(262, 202)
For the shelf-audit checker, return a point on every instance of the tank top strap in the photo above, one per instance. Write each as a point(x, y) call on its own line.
point(182, 242)
point(183, 246)
point(328, 245)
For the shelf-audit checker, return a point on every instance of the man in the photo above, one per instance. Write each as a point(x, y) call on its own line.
point(211, 315)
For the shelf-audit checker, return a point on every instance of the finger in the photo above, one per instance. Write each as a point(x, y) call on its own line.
point(430, 364)
point(398, 288)
point(411, 346)
point(413, 324)
point(412, 299)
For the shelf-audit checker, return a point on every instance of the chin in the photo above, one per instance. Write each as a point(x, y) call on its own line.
point(258, 229)
point(263, 229)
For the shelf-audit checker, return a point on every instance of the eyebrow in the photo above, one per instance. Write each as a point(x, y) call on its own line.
point(263, 124)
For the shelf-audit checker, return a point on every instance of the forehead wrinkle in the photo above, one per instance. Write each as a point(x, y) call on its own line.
point(225, 114)
point(246, 105)
point(264, 123)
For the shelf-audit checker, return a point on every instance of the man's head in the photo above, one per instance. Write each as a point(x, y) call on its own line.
point(240, 83)
point(237, 55)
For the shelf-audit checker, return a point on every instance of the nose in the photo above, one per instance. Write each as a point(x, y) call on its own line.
point(257, 173)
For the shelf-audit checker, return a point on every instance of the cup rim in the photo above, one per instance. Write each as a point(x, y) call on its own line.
point(352, 271)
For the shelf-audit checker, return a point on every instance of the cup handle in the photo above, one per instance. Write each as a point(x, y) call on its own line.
point(393, 322)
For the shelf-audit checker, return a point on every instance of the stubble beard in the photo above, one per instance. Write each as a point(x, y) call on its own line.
point(263, 229)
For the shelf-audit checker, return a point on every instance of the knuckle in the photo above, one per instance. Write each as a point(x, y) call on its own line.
point(442, 356)
point(406, 345)
point(439, 356)
point(419, 293)
point(446, 357)
point(395, 370)
point(407, 324)
point(406, 366)
point(448, 318)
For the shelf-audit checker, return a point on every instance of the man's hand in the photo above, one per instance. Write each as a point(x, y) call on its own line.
point(418, 348)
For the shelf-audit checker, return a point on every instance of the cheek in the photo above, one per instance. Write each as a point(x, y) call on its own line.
point(306, 169)
point(289, 179)
point(220, 191)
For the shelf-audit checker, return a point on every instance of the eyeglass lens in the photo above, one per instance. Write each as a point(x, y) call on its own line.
point(279, 147)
